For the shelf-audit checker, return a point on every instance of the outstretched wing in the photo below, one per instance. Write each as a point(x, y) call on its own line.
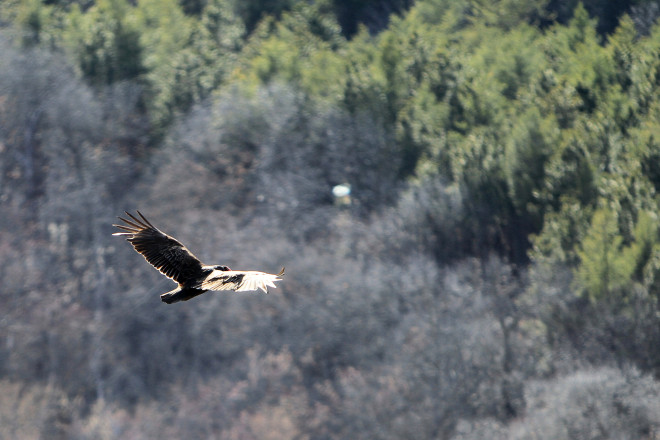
point(163, 252)
point(240, 281)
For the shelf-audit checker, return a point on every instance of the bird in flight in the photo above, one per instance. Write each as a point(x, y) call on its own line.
point(175, 261)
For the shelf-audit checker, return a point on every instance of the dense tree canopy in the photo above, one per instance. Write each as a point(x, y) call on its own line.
point(493, 272)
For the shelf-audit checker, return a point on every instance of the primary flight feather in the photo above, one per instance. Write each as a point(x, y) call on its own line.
point(175, 261)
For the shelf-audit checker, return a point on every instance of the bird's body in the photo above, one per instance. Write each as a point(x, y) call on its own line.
point(175, 261)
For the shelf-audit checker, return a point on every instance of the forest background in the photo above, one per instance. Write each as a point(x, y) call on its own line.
point(494, 272)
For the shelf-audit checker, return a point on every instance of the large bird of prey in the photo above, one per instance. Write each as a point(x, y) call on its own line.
point(175, 261)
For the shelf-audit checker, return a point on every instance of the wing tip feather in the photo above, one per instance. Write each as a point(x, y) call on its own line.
point(137, 220)
point(145, 219)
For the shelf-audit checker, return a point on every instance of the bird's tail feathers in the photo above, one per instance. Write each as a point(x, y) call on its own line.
point(171, 297)
point(180, 294)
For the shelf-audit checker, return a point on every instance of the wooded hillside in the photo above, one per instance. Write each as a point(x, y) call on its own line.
point(494, 272)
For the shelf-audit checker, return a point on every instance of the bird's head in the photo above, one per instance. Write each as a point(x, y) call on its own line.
point(222, 268)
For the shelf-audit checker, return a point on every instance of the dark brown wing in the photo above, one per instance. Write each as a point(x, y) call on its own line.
point(161, 251)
